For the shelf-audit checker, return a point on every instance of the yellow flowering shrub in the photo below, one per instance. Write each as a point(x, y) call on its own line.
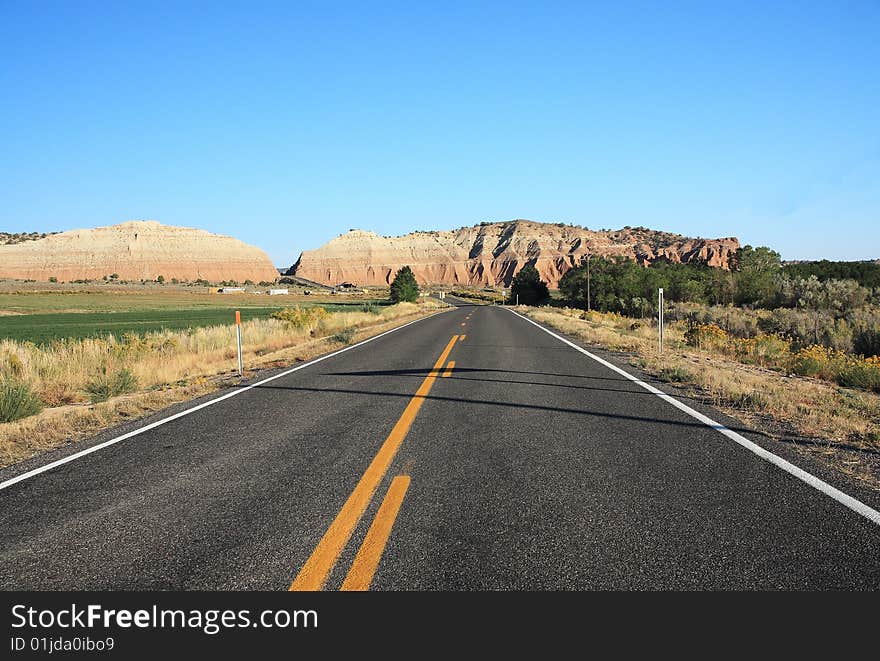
point(708, 337)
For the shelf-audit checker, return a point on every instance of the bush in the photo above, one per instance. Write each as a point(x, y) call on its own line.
point(14, 364)
point(370, 308)
point(405, 287)
point(345, 336)
point(767, 350)
point(867, 342)
point(676, 375)
point(863, 374)
point(106, 386)
point(300, 317)
point(808, 327)
point(17, 401)
point(819, 361)
point(707, 336)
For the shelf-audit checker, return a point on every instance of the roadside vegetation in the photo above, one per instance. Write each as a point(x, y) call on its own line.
point(474, 295)
point(71, 388)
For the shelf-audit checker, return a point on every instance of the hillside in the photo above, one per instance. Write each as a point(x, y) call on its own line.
point(136, 250)
point(492, 253)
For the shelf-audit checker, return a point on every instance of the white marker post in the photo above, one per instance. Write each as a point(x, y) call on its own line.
point(660, 319)
point(238, 337)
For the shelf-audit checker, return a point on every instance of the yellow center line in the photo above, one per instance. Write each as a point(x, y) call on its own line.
point(317, 568)
point(368, 556)
point(448, 370)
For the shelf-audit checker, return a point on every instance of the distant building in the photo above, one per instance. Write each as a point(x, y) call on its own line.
point(278, 292)
point(231, 290)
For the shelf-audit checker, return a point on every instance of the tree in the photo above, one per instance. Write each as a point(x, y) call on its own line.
point(528, 287)
point(160, 279)
point(757, 270)
point(404, 287)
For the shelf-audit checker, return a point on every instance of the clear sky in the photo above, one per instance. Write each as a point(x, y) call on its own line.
point(285, 124)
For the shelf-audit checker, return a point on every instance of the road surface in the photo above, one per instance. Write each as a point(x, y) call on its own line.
point(525, 465)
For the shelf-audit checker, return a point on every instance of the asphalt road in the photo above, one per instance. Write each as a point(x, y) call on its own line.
point(530, 466)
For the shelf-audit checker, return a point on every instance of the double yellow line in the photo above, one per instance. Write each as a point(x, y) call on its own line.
point(317, 568)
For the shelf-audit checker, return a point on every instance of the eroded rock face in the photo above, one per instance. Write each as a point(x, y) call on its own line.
point(136, 250)
point(492, 254)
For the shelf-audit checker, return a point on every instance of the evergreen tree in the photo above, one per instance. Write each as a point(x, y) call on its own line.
point(404, 287)
point(529, 286)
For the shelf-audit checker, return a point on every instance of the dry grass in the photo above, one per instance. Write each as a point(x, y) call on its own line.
point(842, 425)
point(169, 367)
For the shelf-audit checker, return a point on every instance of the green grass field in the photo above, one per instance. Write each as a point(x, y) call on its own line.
point(28, 302)
point(42, 318)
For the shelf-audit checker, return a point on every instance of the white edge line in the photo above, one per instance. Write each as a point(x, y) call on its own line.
point(844, 499)
point(153, 425)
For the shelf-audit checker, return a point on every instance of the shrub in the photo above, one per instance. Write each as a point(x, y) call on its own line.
point(301, 317)
point(370, 308)
point(345, 336)
point(53, 279)
point(858, 373)
point(14, 364)
point(807, 327)
point(867, 342)
point(676, 374)
point(707, 336)
point(17, 401)
point(817, 360)
point(106, 386)
point(763, 349)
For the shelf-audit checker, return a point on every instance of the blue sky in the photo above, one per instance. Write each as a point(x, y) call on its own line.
point(285, 124)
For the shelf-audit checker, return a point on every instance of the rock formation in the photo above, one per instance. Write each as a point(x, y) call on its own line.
point(492, 253)
point(136, 250)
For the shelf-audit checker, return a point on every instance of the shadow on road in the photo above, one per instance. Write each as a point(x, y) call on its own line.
point(457, 375)
point(515, 405)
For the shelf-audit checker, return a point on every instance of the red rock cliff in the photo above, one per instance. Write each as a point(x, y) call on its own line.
point(493, 253)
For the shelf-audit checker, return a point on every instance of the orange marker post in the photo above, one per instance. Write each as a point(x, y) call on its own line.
point(238, 337)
